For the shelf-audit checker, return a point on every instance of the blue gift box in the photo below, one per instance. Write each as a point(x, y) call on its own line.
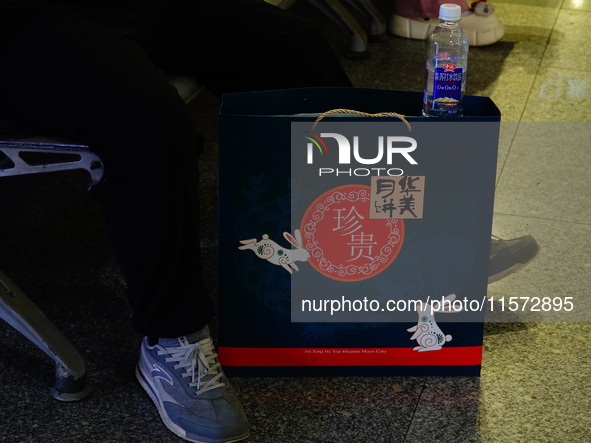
point(357, 245)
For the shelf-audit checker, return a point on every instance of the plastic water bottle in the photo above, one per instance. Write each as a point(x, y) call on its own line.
point(446, 66)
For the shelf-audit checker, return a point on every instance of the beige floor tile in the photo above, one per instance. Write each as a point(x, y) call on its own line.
point(506, 135)
point(582, 5)
point(525, 20)
point(509, 89)
point(535, 383)
point(569, 44)
point(547, 173)
point(559, 95)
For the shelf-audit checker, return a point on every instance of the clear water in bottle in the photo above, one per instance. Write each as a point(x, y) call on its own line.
point(446, 66)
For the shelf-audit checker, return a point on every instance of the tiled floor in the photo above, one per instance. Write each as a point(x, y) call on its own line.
point(536, 378)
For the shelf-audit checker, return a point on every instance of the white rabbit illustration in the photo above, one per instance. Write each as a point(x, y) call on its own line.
point(426, 332)
point(274, 253)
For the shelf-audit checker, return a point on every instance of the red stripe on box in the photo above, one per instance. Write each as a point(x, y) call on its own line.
point(452, 356)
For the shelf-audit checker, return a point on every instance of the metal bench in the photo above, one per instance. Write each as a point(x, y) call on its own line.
point(22, 152)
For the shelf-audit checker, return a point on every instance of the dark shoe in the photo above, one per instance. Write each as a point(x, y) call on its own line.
point(508, 256)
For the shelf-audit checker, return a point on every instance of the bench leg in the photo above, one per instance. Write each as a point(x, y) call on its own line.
point(377, 23)
point(341, 15)
point(22, 314)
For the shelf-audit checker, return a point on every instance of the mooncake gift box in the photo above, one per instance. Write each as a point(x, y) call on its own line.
point(354, 233)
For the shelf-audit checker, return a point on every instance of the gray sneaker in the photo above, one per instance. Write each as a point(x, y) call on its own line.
point(186, 383)
point(508, 256)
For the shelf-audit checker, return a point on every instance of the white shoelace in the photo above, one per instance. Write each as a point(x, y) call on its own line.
point(201, 361)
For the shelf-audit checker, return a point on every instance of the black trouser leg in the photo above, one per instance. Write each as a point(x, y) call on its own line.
point(93, 77)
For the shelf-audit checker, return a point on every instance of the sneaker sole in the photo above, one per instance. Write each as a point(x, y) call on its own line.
point(408, 28)
point(175, 429)
point(485, 38)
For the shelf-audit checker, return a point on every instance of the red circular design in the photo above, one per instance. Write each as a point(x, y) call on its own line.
point(343, 242)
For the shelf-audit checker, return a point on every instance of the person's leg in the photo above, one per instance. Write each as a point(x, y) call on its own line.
point(229, 46)
point(66, 74)
point(73, 75)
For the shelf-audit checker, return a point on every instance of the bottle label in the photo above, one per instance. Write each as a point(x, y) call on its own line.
point(447, 87)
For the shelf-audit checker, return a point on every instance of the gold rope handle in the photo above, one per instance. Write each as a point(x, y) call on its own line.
point(363, 114)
